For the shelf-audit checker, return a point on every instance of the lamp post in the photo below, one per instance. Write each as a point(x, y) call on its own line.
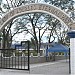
point(39, 41)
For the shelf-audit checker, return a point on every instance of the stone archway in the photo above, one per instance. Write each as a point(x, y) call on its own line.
point(52, 10)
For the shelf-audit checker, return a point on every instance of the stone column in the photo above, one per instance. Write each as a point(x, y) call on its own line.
point(72, 51)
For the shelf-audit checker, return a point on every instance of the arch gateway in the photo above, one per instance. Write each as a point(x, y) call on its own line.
point(45, 8)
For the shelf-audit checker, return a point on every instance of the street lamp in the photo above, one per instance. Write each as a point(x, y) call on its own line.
point(39, 41)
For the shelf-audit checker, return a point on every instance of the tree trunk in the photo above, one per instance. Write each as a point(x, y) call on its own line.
point(35, 37)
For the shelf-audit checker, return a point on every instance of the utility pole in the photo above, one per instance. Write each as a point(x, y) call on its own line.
point(39, 40)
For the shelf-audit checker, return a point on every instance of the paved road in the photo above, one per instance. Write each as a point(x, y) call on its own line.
point(48, 68)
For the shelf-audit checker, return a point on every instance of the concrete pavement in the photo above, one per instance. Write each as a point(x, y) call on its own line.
point(48, 68)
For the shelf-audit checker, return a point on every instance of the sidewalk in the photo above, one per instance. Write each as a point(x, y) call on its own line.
point(49, 68)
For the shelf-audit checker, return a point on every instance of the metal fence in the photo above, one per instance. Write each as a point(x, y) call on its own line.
point(17, 58)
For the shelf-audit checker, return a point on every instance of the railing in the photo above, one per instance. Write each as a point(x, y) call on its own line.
point(14, 58)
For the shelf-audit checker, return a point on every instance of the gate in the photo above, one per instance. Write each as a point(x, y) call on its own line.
point(17, 58)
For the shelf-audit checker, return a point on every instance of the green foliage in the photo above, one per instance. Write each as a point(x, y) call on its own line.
point(7, 53)
point(18, 53)
point(34, 53)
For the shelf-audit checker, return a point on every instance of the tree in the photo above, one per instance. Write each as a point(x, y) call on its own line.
point(6, 33)
point(23, 22)
point(33, 24)
point(68, 7)
point(63, 4)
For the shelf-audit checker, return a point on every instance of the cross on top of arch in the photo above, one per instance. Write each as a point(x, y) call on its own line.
point(37, 7)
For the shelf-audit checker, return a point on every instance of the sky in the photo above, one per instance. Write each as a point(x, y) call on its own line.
point(23, 37)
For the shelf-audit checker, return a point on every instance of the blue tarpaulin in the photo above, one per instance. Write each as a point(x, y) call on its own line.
point(57, 48)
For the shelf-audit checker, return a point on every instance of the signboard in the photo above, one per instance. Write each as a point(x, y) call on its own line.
point(45, 8)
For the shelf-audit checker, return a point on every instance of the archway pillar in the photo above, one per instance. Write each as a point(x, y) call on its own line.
point(71, 34)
